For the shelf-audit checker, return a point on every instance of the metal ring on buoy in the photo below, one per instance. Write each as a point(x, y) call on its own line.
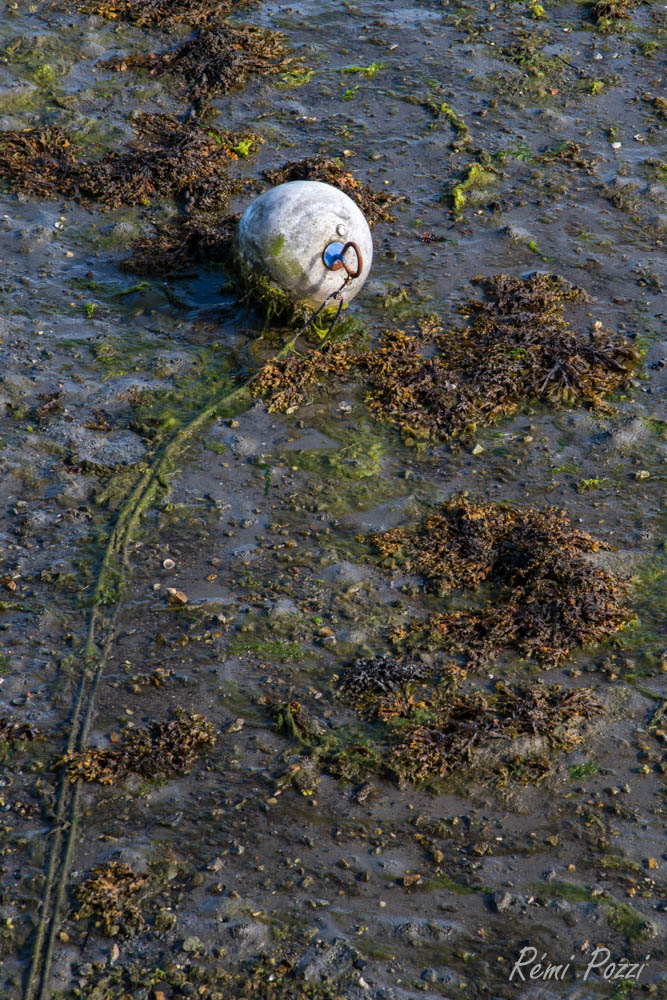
point(337, 258)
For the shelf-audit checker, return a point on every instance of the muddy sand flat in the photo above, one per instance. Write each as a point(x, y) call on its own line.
point(332, 667)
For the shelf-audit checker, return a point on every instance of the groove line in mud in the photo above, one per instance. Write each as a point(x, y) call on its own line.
point(137, 504)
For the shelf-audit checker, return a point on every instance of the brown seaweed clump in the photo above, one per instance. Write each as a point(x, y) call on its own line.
point(110, 897)
point(289, 384)
point(12, 731)
point(374, 204)
point(215, 60)
point(175, 248)
point(169, 158)
point(160, 13)
point(606, 11)
point(164, 749)
point(463, 729)
point(547, 598)
point(517, 347)
point(508, 733)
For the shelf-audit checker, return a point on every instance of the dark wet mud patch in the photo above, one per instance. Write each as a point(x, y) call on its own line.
point(355, 475)
point(216, 60)
point(164, 749)
point(169, 159)
point(374, 204)
point(161, 13)
point(546, 598)
point(517, 347)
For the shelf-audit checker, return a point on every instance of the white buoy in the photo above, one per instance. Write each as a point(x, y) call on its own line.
point(308, 239)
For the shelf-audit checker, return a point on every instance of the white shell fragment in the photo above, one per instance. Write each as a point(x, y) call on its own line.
point(284, 233)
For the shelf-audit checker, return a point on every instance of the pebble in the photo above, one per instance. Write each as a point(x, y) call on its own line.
point(35, 238)
point(193, 944)
point(176, 598)
point(501, 901)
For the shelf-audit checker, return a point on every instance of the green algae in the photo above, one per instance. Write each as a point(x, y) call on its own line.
point(347, 754)
point(476, 178)
point(608, 15)
point(620, 917)
point(296, 78)
point(579, 771)
point(276, 649)
point(442, 110)
point(351, 477)
point(368, 71)
point(644, 636)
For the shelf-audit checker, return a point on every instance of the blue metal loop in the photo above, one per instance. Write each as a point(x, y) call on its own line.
point(333, 255)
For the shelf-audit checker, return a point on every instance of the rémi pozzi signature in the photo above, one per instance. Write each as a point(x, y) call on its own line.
point(529, 967)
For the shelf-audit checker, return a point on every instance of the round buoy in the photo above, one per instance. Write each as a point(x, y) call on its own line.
point(309, 240)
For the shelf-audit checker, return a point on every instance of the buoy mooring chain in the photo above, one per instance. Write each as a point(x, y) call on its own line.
point(298, 235)
point(334, 259)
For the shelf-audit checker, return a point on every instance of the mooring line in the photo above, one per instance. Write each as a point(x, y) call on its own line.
point(139, 501)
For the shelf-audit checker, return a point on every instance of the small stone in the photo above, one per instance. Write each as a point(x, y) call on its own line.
point(176, 598)
point(114, 954)
point(364, 793)
point(193, 944)
point(501, 901)
point(477, 450)
point(652, 863)
point(616, 145)
point(642, 474)
point(236, 726)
